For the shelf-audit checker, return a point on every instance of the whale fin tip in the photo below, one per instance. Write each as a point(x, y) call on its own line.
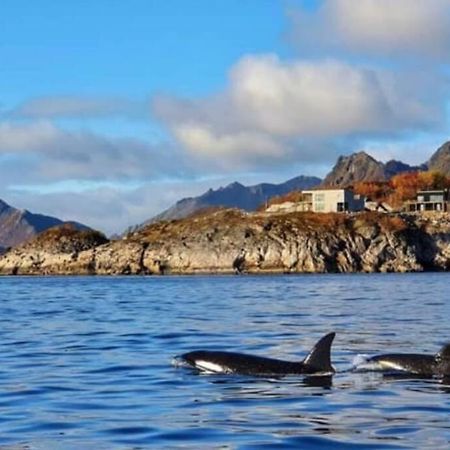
point(319, 358)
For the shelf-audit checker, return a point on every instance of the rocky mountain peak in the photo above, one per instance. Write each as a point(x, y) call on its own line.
point(440, 160)
point(356, 167)
point(361, 166)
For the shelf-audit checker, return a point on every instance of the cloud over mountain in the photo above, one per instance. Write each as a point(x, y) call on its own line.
point(270, 105)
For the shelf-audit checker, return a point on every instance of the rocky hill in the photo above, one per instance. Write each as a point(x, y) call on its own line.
point(232, 241)
point(235, 195)
point(363, 167)
point(17, 226)
point(440, 160)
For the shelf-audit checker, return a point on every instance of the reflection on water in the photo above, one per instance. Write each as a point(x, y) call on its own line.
point(86, 362)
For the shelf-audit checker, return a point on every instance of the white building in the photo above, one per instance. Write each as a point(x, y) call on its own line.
point(334, 200)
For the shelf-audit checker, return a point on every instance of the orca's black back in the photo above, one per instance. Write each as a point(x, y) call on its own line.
point(246, 364)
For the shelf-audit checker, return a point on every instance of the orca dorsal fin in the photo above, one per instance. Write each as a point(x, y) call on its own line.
point(319, 358)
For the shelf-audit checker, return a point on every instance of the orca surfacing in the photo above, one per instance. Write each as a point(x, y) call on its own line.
point(317, 362)
point(417, 364)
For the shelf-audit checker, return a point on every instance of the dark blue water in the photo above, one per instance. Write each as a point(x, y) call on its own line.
point(86, 362)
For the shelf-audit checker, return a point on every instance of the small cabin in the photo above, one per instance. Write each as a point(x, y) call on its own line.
point(433, 200)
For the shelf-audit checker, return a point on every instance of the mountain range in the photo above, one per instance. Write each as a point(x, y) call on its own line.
point(347, 170)
point(235, 195)
point(17, 226)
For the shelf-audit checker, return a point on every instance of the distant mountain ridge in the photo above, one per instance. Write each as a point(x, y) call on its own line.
point(350, 169)
point(235, 195)
point(17, 226)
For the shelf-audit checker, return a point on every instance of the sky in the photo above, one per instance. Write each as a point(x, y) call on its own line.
point(111, 111)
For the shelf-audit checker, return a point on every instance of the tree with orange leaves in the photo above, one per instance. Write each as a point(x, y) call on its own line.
point(405, 185)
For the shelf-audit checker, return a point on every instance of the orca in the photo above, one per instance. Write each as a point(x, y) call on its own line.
point(417, 364)
point(317, 362)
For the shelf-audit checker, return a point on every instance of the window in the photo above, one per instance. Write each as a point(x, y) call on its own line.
point(320, 197)
point(319, 206)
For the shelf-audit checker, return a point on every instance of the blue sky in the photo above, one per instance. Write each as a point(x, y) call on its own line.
point(134, 48)
point(110, 111)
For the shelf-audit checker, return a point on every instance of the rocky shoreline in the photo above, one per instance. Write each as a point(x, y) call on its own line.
point(232, 241)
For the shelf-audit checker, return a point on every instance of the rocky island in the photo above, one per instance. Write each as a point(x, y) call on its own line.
point(232, 241)
point(222, 230)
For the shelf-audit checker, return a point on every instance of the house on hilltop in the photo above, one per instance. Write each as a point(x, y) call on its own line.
point(335, 200)
point(432, 200)
point(323, 200)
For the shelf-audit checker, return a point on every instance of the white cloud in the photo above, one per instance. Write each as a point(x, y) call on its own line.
point(22, 138)
point(269, 106)
point(52, 107)
point(404, 28)
point(206, 142)
point(307, 98)
point(48, 153)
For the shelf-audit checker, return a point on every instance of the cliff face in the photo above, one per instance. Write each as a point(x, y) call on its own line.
point(230, 241)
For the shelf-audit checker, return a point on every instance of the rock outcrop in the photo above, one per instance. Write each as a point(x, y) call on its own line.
point(232, 241)
point(54, 251)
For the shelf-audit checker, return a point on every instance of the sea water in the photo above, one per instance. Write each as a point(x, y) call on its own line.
point(85, 362)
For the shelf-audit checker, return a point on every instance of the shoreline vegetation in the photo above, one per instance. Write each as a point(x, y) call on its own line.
point(229, 241)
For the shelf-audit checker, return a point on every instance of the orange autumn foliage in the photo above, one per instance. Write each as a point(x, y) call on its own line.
point(402, 187)
point(373, 190)
point(405, 185)
point(399, 189)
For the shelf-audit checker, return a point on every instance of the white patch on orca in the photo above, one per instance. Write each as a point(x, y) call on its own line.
point(363, 363)
point(390, 365)
point(210, 367)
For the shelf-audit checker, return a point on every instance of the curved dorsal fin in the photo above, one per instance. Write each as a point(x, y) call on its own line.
point(319, 357)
